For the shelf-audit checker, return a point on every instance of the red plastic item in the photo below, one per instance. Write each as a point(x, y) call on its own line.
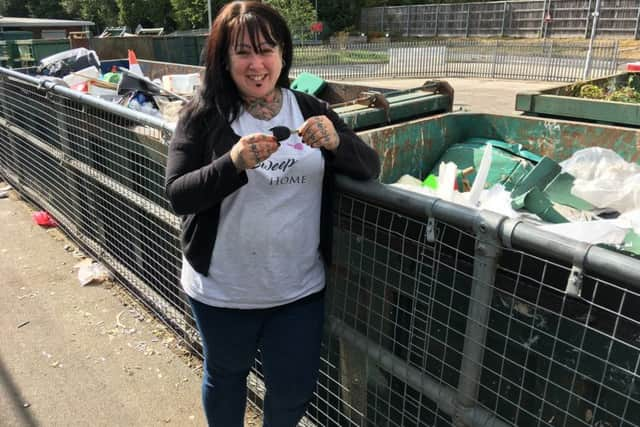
point(44, 219)
point(633, 66)
point(81, 87)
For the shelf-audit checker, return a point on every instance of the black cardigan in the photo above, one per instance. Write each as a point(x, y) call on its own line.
point(200, 174)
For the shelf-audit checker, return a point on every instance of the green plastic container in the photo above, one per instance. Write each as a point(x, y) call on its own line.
point(565, 102)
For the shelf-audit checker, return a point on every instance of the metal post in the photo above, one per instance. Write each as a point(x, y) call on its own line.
point(636, 34)
point(543, 23)
point(209, 13)
point(487, 252)
point(586, 21)
point(504, 18)
point(466, 30)
point(443, 395)
point(594, 27)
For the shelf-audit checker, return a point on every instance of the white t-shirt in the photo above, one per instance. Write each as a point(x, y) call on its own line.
point(267, 247)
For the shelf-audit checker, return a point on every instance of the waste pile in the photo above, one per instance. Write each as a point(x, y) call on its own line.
point(593, 197)
point(80, 69)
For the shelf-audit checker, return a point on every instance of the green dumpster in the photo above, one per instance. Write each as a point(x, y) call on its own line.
point(9, 55)
point(32, 51)
point(362, 107)
point(609, 100)
point(543, 363)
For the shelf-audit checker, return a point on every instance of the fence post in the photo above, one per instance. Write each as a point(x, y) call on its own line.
point(637, 31)
point(437, 19)
point(587, 20)
point(594, 28)
point(549, 57)
point(542, 20)
point(487, 253)
point(495, 60)
point(504, 18)
point(466, 30)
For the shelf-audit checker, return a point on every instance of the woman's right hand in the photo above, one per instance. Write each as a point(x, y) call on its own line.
point(252, 149)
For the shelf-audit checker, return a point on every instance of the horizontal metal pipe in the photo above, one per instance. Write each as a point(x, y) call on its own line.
point(444, 396)
point(528, 238)
point(408, 203)
point(90, 100)
point(613, 265)
point(133, 198)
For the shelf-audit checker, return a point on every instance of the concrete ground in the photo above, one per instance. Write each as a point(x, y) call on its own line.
point(77, 356)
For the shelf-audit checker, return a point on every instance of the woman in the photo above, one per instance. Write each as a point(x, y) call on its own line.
point(256, 216)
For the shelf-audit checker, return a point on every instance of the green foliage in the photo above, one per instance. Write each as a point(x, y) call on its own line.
point(14, 8)
point(591, 92)
point(191, 14)
point(148, 13)
point(299, 14)
point(46, 9)
point(621, 93)
point(103, 12)
point(340, 15)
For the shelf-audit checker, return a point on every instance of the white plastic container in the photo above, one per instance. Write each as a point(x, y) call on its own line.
point(81, 76)
point(182, 84)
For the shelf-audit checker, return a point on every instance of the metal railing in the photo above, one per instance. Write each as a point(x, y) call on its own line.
point(548, 60)
point(438, 315)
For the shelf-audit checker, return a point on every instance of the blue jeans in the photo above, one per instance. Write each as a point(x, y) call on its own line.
point(289, 340)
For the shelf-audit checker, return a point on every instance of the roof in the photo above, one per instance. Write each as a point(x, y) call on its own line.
point(6, 21)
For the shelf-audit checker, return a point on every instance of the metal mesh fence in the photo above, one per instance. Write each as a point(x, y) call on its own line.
point(431, 320)
point(533, 18)
point(525, 60)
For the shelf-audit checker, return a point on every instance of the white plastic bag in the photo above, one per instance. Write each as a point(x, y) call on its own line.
point(604, 179)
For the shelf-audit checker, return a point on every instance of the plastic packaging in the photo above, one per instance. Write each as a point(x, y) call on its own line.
point(92, 272)
point(604, 179)
point(184, 84)
point(446, 178)
point(63, 63)
point(481, 176)
point(43, 219)
point(81, 76)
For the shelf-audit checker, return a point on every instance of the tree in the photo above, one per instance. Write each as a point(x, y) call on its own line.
point(340, 15)
point(148, 13)
point(190, 14)
point(299, 14)
point(104, 13)
point(50, 9)
point(14, 8)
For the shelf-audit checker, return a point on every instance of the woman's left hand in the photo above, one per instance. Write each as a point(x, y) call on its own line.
point(319, 132)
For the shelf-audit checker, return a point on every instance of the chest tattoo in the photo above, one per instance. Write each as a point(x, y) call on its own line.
point(265, 108)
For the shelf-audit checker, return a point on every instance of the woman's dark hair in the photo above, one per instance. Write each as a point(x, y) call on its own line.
point(218, 94)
